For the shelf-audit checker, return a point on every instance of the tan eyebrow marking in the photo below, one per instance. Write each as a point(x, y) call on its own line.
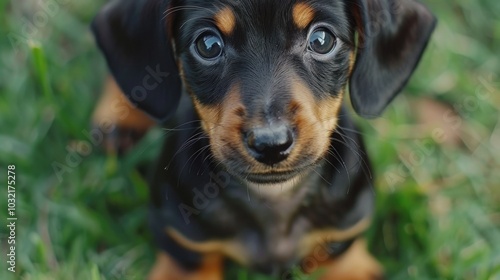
point(303, 14)
point(225, 20)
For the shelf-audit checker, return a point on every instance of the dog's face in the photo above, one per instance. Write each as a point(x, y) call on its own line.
point(267, 79)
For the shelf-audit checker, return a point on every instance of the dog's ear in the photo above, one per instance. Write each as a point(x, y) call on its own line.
point(392, 35)
point(133, 37)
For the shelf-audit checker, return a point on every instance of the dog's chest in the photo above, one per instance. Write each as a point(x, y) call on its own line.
point(272, 228)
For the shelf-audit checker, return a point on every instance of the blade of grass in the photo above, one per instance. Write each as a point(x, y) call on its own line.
point(41, 72)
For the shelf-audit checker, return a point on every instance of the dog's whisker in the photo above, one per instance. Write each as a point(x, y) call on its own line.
point(364, 165)
point(342, 162)
point(360, 152)
point(330, 163)
point(321, 176)
point(178, 128)
point(351, 130)
point(198, 153)
point(153, 143)
point(191, 141)
point(209, 156)
point(189, 159)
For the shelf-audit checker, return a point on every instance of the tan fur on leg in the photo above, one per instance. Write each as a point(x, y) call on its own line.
point(355, 264)
point(167, 268)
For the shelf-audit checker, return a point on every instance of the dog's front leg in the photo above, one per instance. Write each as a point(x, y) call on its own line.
point(354, 264)
point(166, 268)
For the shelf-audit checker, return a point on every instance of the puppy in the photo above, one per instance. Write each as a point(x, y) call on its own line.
point(265, 166)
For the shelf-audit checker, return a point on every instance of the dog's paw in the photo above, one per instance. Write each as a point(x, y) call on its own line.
point(355, 264)
point(116, 139)
point(166, 268)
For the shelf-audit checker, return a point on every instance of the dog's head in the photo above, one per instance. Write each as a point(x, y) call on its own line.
point(266, 77)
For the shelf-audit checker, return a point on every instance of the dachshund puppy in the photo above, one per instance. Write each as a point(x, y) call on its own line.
point(265, 166)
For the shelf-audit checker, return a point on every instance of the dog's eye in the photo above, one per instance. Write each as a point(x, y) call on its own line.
point(322, 41)
point(209, 45)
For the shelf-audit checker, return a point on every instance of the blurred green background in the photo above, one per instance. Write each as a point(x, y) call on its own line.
point(436, 152)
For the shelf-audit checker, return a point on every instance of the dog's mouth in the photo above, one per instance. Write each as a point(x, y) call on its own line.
point(270, 177)
point(274, 177)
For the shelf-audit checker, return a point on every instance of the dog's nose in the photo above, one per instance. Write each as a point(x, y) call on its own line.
point(271, 144)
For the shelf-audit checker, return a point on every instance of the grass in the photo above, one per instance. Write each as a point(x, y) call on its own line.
point(438, 204)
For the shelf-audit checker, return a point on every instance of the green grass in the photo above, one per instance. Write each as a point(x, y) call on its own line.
point(438, 204)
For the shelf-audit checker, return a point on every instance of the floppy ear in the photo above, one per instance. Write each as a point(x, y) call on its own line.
point(392, 37)
point(132, 34)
